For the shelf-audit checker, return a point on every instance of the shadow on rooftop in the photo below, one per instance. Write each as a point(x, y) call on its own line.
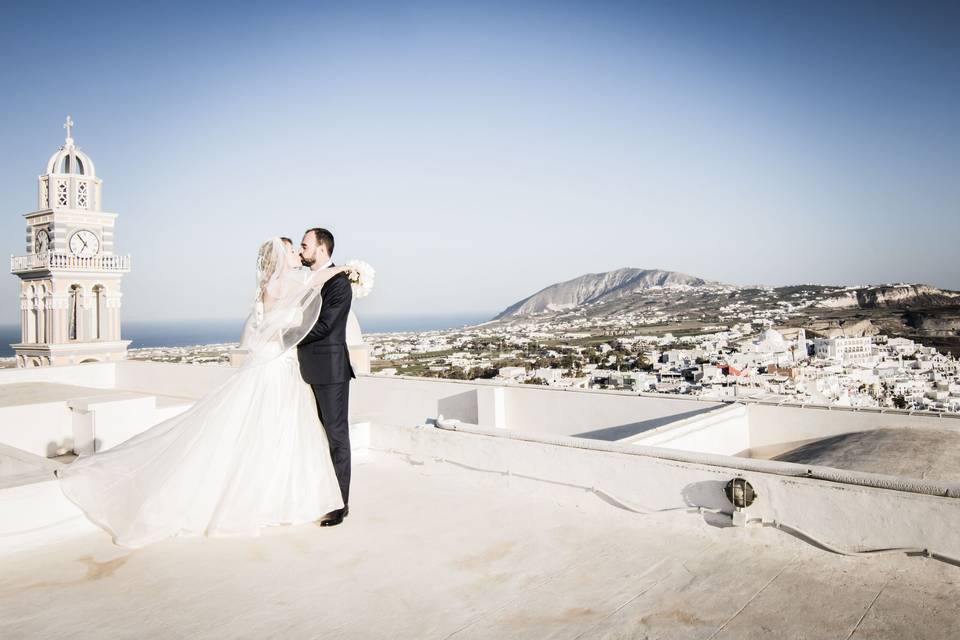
point(709, 495)
point(612, 434)
point(926, 454)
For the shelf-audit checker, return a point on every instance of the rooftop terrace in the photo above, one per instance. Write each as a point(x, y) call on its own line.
point(433, 550)
point(522, 512)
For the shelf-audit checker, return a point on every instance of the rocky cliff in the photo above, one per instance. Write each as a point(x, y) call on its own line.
point(898, 295)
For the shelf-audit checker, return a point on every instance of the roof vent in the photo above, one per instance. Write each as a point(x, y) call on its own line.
point(740, 492)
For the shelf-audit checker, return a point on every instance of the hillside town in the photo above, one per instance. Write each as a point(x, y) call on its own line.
point(747, 359)
point(218, 354)
point(743, 343)
point(712, 341)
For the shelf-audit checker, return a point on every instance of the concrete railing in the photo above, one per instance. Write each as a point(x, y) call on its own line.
point(407, 400)
point(169, 379)
point(704, 426)
point(725, 428)
point(92, 374)
point(844, 511)
point(68, 262)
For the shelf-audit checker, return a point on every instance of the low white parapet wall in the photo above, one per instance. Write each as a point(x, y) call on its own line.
point(704, 426)
point(83, 424)
point(44, 429)
point(407, 400)
point(725, 431)
point(102, 422)
point(850, 514)
point(93, 374)
point(170, 379)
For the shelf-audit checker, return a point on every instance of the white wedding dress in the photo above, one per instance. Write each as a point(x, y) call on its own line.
point(250, 454)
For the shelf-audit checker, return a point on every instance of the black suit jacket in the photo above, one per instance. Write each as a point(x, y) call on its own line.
point(323, 353)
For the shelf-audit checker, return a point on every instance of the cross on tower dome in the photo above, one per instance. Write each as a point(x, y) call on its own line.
point(68, 158)
point(68, 125)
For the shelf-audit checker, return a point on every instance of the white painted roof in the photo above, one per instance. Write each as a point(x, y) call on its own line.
point(445, 553)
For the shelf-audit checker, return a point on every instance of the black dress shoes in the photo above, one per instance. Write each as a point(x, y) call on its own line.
point(335, 517)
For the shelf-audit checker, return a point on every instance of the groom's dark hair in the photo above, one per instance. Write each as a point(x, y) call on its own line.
point(323, 237)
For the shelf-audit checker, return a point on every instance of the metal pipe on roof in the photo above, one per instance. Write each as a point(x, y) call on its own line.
point(791, 469)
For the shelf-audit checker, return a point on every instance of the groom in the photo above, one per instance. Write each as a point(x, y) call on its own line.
point(325, 361)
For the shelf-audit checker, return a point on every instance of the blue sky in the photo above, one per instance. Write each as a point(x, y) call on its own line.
point(477, 152)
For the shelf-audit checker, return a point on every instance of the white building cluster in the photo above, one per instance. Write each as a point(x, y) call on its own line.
point(745, 360)
point(845, 351)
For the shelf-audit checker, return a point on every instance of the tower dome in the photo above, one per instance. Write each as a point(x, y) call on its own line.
point(68, 159)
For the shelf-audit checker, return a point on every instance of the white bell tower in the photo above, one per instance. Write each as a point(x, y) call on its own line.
point(70, 276)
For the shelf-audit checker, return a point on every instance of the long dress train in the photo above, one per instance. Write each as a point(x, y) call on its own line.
point(250, 454)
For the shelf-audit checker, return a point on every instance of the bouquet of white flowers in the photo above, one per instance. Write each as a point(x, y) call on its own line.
point(361, 278)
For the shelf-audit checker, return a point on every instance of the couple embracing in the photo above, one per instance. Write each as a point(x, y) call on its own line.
point(270, 445)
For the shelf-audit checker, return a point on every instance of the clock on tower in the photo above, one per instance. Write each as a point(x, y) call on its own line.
point(70, 276)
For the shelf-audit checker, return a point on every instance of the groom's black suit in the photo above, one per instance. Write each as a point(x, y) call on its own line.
point(325, 366)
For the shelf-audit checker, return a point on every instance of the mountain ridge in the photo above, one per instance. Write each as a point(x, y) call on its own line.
point(597, 287)
point(614, 290)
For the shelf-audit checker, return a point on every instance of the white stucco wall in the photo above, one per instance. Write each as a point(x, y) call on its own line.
point(104, 422)
point(573, 411)
point(43, 429)
point(847, 516)
point(725, 431)
point(400, 400)
point(161, 378)
point(93, 374)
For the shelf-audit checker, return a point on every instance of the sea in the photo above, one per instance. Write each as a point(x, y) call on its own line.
point(195, 332)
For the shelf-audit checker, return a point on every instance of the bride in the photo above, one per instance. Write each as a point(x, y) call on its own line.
point(251, 453)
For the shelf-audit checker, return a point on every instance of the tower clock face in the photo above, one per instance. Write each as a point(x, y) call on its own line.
point(42, 243)
point(84, 244)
